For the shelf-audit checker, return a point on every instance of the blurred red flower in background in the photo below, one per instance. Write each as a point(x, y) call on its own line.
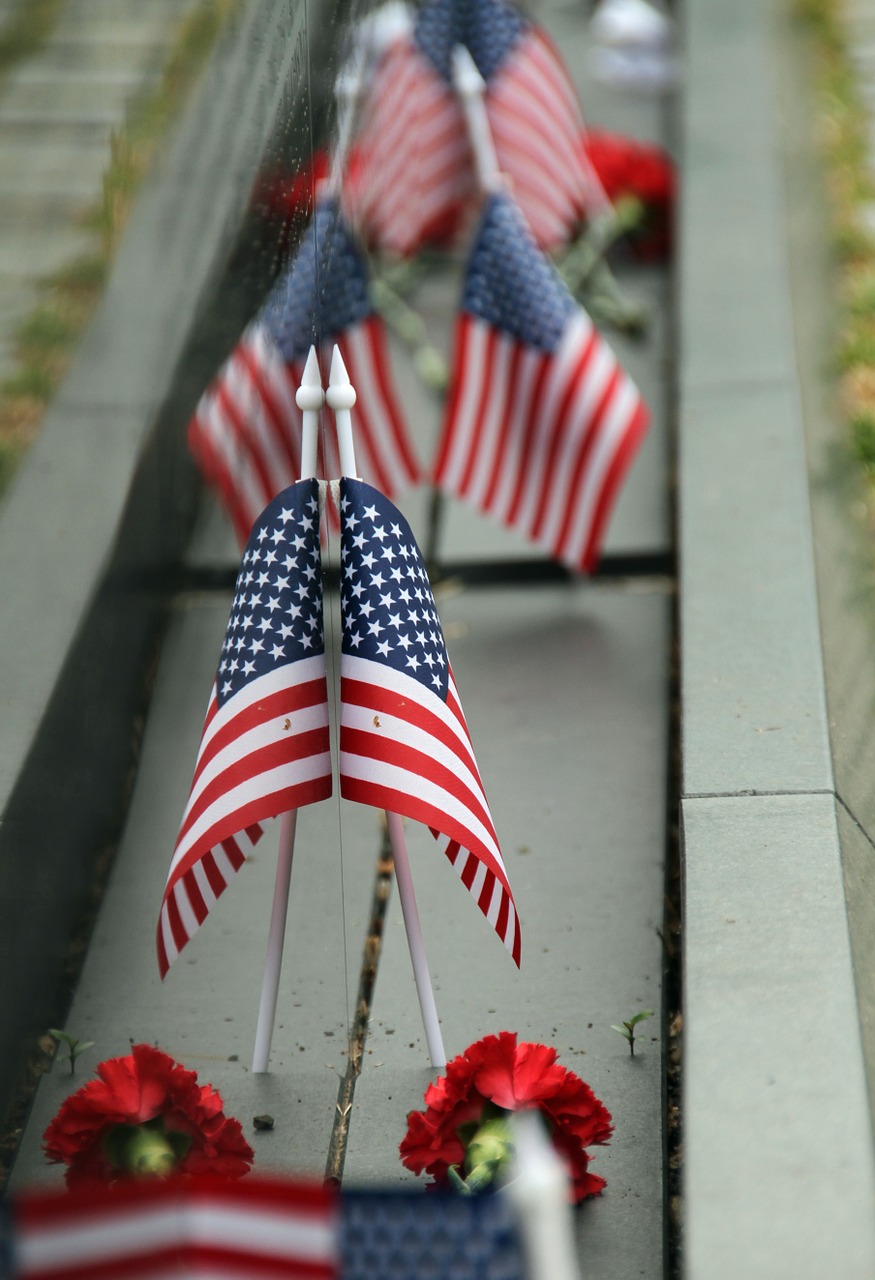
point(646, 173)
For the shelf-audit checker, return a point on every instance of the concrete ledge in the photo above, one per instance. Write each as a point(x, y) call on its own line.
point(778, 1144)
point(99, 512)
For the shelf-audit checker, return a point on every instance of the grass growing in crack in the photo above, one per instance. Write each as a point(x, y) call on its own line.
point(46, 341)
point(843, 140)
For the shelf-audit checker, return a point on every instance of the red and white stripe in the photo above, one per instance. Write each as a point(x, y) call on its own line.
point(414, 158)
point(200, 1228)
point(541, 440)
point(538, 130)
point(403, 749)
point(265, 752)
point(246, 432)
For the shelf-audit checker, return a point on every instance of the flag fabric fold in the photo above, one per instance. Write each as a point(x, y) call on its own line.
point(265, 746)
point(404, 742)
point(414, 170)
point(542, 422)
point(246, 431)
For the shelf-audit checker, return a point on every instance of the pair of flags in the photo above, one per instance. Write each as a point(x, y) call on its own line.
point(255, 1226)
point(265, 749)
point(415, 170)
point(541, 423)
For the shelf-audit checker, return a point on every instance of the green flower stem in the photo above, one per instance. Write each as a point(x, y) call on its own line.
point(488, 1154)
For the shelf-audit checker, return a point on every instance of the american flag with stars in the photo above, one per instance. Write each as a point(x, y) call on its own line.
point(404, 742)
point(246, 431)
point(265, 746)
point(542, 422)
point(415, 164)
point(257, 1226)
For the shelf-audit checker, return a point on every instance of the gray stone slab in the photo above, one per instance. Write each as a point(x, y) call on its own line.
point(753, 684)
point(733, 275)
point(771, 1041)
point(564, 691)
point(28, 254)
point(51, 168)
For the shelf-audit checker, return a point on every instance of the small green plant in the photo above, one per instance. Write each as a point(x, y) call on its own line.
point(627, 1030)
point(74, 1046)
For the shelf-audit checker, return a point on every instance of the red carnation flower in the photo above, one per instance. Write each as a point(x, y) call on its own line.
point(646, 173)
point(145, 1114)
point(493, 1077)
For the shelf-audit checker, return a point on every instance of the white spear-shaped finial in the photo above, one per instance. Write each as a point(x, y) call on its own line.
point(340, 397)
point(471, 87)
point(310, 398)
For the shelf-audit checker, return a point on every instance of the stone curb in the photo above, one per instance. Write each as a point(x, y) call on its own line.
point(772, 1025)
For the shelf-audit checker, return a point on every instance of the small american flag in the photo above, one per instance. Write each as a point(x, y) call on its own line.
point(246, 431)
point(404, 743)
point(265, 745)
point(257, 1226)
point(415, 161)
point(202, 1227)
point(542, 422)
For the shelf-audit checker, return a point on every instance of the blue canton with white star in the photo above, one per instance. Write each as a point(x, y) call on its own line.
point(325, 290)
point(387, 606)
point(510, 284)
point(405, 1235)
point(276, 617)
point(489, 28)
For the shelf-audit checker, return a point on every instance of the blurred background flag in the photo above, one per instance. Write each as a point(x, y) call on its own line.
point(265, 747)
point(404, 742)
point(414, 171)
point(246, 430)
point(154, 1228)
point(542, 422)
point(257, 1226)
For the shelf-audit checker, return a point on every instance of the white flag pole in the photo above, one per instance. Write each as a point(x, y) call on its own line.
point(340, 397)
point(539, 1193)
point(415, 943)
point(471, 87)
point(310, 398)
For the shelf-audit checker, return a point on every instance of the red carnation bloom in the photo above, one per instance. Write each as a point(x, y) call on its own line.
point(494, 1076)
point(639, 169)
point(145, 1102)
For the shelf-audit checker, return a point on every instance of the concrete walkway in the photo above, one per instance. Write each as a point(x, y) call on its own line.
point(566, 692)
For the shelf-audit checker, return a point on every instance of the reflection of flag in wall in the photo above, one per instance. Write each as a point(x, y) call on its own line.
point(542, 422)
point(246, 432)
point(404, 743)
point(265, 746)
point(415, 164)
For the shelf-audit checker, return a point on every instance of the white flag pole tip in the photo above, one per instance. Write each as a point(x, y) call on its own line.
point(340, 397)
point(471, 87)
point(310, 398)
